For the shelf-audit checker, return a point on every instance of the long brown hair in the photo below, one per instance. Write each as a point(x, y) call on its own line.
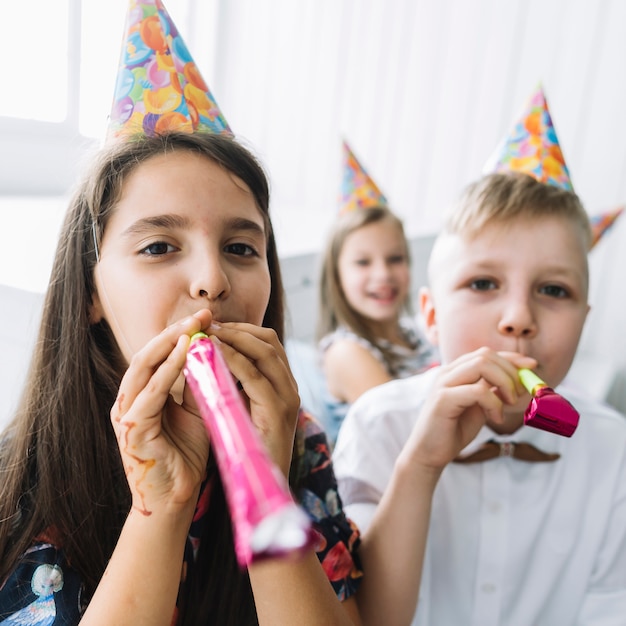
point(334, 310)
point(60, 466)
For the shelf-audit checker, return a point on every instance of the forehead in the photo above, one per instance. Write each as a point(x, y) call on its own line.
point(183, 181)
point(539, 243)
point(384, 229)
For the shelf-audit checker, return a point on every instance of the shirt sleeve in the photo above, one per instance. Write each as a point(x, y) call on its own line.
point(316, 490)
point(42, 589)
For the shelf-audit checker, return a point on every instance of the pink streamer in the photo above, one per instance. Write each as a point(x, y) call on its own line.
point(266, 520)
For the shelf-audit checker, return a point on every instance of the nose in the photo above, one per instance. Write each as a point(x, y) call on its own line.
point(381, 269)
point(210, 280)
point(518, 320)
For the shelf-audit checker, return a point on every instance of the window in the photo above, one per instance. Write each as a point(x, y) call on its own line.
point(61, 59)
point(35, 67)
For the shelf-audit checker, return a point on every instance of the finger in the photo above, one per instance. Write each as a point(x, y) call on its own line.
point(142, 422)
point(455, 401)
point(519, 361)
point(144, 362)
point(261, 347)
point(276, 390)
point(484, 365)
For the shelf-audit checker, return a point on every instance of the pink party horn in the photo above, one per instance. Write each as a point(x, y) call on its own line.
point(547, 410)
point(266, 520)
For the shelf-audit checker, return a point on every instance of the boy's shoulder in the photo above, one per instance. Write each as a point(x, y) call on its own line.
point(597, 418)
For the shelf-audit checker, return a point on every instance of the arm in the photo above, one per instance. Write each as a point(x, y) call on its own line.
point(306, 597)
point(351, 369)
point(288, 590)
point(164, 449)
point(464, 394)
point(392, 549)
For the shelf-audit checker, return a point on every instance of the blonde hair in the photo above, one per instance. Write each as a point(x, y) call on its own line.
point(334, 310)
point(504, 197)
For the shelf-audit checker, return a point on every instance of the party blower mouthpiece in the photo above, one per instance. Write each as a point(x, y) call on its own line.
point(547, 410)
point(266, 520)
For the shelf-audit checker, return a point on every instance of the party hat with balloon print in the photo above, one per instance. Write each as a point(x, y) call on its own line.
point(602, 222)
point(358, 190)
point(159, 87)
point(532, 146)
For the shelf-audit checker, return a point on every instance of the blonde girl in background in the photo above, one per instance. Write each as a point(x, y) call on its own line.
point(367, 334)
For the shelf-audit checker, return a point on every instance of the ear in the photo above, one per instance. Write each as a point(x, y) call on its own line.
point(96, 312)
point(428, 313)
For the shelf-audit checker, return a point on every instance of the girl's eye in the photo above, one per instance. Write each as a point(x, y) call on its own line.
point(241, 249)
point(554, 291)
point(362, 262)
point(482, 284)
point(158, 248)
point(398, 259)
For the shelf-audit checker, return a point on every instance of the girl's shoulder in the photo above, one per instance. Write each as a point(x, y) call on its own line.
point(343, 334)
point(43, 588)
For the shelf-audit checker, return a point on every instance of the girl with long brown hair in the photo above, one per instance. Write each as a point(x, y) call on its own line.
point(111, 507)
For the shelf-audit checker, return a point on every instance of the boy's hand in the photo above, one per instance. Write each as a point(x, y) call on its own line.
point(467, 392)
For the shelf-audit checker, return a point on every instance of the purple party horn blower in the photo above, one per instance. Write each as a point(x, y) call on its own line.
point(266, 520)
point(547, 410)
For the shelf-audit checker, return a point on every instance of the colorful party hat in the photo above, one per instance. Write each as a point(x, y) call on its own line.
point(601, 223)
point(358, 190)
point(533, 147)
point(159, 87)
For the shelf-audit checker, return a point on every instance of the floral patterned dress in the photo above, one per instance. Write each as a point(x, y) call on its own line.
point(44, 589)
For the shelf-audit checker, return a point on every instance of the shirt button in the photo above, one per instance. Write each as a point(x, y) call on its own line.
point(488, 587)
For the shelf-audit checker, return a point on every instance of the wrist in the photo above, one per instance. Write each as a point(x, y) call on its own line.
point(416, 473)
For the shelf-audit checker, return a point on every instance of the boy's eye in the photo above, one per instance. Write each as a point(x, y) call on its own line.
point(241, 249)
point(554, 291)
point(157, 248)
point(482, 284)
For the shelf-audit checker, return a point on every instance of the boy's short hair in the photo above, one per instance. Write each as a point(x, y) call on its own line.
point(505, 196)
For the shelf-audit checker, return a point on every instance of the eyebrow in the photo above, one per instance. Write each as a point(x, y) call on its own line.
point(554, 270)
point(170, 221)
point(242, 223)
point(147, 224)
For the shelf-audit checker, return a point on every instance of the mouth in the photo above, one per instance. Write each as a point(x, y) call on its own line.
point(384, 295)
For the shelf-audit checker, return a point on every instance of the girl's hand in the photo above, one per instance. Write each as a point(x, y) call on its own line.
point(164, 446)
point(258, 361)
point(468, 392)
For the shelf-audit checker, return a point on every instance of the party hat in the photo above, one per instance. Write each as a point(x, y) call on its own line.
point(159, 87)
point(601, 223)
point(533, 147)
point(358, 190)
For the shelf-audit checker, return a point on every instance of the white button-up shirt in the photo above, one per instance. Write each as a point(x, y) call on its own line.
point(510, 543)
